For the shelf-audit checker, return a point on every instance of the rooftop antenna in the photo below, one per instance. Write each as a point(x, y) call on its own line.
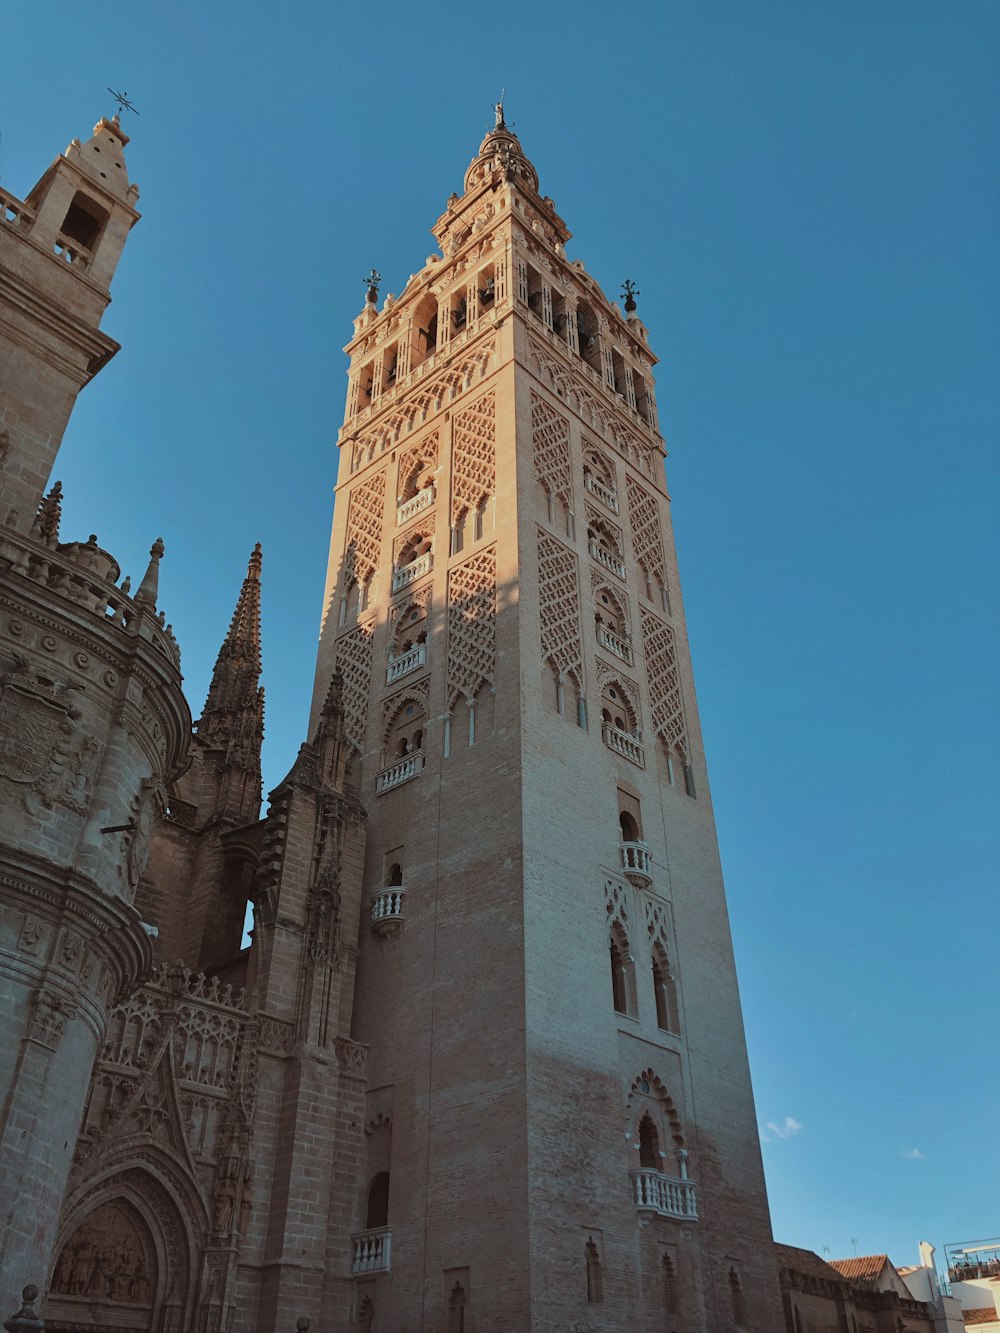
point(123, 103)
point(854, 1242)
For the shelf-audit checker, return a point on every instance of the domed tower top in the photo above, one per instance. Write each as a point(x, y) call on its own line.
point(501, 149)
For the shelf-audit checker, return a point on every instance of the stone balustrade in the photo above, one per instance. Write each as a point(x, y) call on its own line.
point(387, 909)
point(606, 496)
point(15, 212)
point(72, 251)
point(405, 663)
point(415, 505)
point(83, 574)
point(400, 771)
point(407, 574)
point(637, 862)
point(670, 1196)
point(624, 744)
point(614, 644)
point(606, 559)
point(372, 1251)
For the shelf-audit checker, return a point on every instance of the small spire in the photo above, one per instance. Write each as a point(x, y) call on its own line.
point(232, 721)
point(150, 586)
point(244, 628)
point(629, 292)
point(46, 524)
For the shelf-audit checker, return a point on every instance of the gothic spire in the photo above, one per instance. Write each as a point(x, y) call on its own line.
point(232, 721)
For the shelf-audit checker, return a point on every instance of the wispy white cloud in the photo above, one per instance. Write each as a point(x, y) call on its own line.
point(914, 1154)
point(787, 1130)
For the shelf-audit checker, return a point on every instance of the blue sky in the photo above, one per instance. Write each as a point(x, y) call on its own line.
point(806, 195)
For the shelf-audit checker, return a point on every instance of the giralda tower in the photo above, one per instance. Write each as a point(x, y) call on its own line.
point(560, 1130)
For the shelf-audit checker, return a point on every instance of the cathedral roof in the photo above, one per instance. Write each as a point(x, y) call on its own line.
point(805, 1261)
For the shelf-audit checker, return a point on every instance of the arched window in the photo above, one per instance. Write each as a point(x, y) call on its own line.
point(664, 991)
point(587, 329)
point(377, 1212)
point(622, 971)
point(394, 877)
point(609, 613)
point(425, 324)
point(406, 731)
point(671, 1305)
point(649, 1144)
point(616, 710)
point(416, 546)
point(595, 1275)
point(736, 1298)
point(458, 1300)
point(629, 828)
point(411, 629)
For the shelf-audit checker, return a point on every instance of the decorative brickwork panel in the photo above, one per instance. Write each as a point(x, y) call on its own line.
point(616, 903)
point(354, 661)
point(550, 442)
point(664, 683)
point(656, 921)
point(644, 513)
point(474, 457)
point(472, 619)
point(559, 600)
point(413, 461)
point(364, 529)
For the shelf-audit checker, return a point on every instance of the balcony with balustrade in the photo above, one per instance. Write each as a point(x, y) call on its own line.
point(404, 663)
point(637, 862)
point(606, 558)
point(407, 574)
point(399, 771)
point(415, 505)
point(372, 1251)
point(616, 645)
point(624, 744)
point(667, 1196)
point(605, 494)
point(387, 909)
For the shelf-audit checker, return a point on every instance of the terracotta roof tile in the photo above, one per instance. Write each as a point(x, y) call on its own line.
point(863, 1270)
point(985, 1314)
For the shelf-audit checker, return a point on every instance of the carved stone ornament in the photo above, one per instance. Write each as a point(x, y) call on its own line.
point(48, 1020)
point(37, 723)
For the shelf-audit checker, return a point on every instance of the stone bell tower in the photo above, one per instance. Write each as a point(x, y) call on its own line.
point(559, 1125)
point(92, 719)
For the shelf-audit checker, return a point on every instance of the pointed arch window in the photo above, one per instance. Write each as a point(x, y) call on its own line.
point(595, 1273)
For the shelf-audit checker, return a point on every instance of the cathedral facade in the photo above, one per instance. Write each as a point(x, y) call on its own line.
point(482, 1066)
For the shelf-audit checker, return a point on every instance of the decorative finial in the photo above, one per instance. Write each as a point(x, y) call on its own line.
point(46, 524)
point(149, 587)
point(123, 103)
point(372, 283)
point(630, 292)
point(501, 124)
point(25, 1318)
